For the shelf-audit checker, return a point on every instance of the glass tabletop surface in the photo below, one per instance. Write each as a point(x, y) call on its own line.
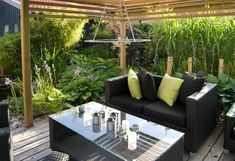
point(152, 139)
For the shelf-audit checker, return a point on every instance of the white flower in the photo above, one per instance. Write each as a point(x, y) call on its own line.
point(77, 71)
point(8, 82)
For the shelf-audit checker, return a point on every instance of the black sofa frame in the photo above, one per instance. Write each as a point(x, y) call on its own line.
point(201, 108)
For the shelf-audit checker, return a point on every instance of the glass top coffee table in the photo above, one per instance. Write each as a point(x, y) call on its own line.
point(77, 133)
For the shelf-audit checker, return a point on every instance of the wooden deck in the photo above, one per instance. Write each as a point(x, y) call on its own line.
point(33, 144)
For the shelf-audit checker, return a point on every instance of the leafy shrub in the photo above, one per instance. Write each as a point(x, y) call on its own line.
point(98, 51)
point(46, 97)
point(57, 60)
point(55, 33)
point(10, 56)
point(226, 89)
point(84, 80)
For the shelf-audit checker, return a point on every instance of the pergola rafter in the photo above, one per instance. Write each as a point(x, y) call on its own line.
point(114, 10)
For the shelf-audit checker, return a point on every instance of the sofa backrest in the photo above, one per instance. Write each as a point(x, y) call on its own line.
point(157, 79)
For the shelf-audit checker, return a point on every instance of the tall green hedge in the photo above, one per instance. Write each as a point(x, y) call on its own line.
point(204, 39)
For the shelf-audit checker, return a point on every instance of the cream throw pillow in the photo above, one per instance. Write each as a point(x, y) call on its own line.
point(169, 89)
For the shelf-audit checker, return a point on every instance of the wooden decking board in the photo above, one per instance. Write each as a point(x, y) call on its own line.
point(37, 124)
point(39, 156)
point(30, 140)
point(226, 157)
point(26, 135)
point(33, 129)
point(31, 151)
point(209, 143)
point(217, 150)
point(30, 146)
point(33, 144)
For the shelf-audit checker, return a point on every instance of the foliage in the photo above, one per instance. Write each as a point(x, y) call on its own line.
point(10, 51)
point(57, 60)
point(46, 97)
point(84, 79)
point(55, 33)
point(226, 89)
point(98, 51)
point(204, 39)
point(105, 30)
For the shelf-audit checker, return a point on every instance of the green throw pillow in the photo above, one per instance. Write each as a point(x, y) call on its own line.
point(134, 85)
point(169, 89)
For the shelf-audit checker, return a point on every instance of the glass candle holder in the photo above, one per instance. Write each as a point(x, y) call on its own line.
point(132, 140)
point(126, 126)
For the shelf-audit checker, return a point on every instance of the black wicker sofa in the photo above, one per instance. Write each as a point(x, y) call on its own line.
point(5, 133)
point(196, 120)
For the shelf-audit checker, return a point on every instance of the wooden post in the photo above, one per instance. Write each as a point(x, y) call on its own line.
point(169, 65)
point(122, 46)
point(221, 66)
point(190, 65)
point(25, 54)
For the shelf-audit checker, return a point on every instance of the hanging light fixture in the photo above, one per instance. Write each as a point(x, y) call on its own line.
point(118, 40)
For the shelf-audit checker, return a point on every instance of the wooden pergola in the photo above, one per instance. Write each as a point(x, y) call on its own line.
point(115, 10)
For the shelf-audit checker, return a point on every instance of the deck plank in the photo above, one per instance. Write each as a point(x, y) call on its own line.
point(32, 152)
point(216, 151)
point(228, 157)
point(39, 156)
point(37, 124)
point(31, 140)
point(205, 148)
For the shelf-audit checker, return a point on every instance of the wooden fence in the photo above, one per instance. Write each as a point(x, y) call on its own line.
point(170, 63)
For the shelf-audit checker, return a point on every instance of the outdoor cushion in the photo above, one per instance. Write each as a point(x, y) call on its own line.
point(134, 84)
point(191, 84)
point(147, 84)
point(128, 103)
point(169, 89)
point(163, 112)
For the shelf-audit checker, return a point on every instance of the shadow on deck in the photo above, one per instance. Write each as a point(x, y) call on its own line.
point(33, 144)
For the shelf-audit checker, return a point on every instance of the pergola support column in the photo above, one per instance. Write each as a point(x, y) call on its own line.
point(25, 54)
point(122, 54)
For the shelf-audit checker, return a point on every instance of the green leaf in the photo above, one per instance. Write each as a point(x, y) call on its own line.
point(211, 78)
point(223, 78)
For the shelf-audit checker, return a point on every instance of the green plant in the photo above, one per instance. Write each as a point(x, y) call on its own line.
point(55, 33)
point(16, 102)
point(45, 96)
point(10, 57)
point(226, 89)
point(56, 60)
point(84, 80)
point(204, 39)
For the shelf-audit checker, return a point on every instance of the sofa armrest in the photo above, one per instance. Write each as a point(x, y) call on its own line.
point(201, 110)
point(4, 114)
point(115, 86)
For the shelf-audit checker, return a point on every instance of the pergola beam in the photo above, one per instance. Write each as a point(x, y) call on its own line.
point(68, 5)
point(184, 10)
point(64, 10)
point(25, 54)
point(70, 16)
point(147, 18)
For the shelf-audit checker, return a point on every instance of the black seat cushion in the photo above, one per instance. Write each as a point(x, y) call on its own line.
point(190, 85)
point(148, 87)
point(161, 111)
point(128, 103)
